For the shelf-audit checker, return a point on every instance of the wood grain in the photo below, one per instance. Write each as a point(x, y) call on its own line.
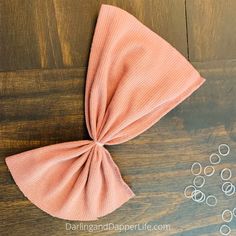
point(58, 34)
point(160, 157)
point(44, 51)
point(42, 106)
point(211, 29)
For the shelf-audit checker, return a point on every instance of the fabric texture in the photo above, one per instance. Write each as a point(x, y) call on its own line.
point(134, 78)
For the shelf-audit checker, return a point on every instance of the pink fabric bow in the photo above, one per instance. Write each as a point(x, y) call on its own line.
point(134, 78)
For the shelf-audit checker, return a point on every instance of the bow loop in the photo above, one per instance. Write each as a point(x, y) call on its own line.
point(74, 180)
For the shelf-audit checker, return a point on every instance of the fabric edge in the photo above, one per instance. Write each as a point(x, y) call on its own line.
point(42, 208)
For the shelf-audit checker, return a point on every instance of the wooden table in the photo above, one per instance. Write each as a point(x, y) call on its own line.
point(44, 51)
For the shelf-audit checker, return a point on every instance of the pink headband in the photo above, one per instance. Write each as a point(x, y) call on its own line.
point(134, 78)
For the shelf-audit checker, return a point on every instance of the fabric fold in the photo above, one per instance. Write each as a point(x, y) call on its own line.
point(134, 78)
point(73, 180)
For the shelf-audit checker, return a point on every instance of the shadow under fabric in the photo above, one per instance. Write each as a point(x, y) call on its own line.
point(134, 78)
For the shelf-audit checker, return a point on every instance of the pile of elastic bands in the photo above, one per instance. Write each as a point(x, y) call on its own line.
point(228, 188)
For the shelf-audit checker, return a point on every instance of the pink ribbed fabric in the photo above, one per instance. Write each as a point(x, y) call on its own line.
point(134, 78)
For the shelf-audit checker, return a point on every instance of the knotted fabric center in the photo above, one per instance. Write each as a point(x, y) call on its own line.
point(98, 143)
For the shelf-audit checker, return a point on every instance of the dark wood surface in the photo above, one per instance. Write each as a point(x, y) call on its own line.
point(44, 48)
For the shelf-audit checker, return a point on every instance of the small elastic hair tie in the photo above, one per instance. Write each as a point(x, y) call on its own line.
point(197, 199)
point(234, 212)
point(225, 170)
point(221, 148)
point(198, 179)
point(225, 230)
point(193, 168)
point(227, 215)
point(211, 200)
point(188, 189)
point(228, 188)
point(211, 158)
point(209, 168)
